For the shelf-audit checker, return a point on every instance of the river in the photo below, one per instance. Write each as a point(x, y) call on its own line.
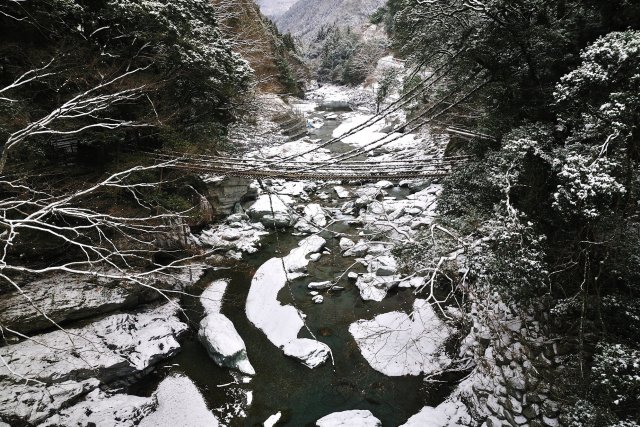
point(282, 384)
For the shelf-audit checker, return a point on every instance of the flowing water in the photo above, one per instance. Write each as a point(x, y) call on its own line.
point(282, 384)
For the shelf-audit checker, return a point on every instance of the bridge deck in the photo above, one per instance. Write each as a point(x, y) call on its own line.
point(332, 169)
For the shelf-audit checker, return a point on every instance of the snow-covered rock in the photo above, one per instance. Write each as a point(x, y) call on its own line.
point(384, 265)
point(375, 288)
point(311, 352)
point(384, 184)
point(239, 235)
point(272, 209)
point(346, 243)
point(103, 410)
point(217, 333)
point(320, 285)
point(342, 192)
point(74, 363)
point(354, 418)
point(272, 420)
point(358, 249)
point(282, 323)
point(314, 213)
point(179, 403)
point(296, 261)
point(33, 403)
point(65, 297)
point(314, 218)
point(318, 299)
point(453, 412)
point(397, 344)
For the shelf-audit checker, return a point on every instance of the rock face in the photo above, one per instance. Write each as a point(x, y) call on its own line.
point(66, 364)
point(64, 297)
point(355, 418)
point(396, 344)
point(217, 333)
point(225, 193)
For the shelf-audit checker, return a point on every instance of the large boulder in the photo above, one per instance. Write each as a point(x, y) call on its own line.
point(272, 210)
point(398, 344)
point(179, 403)
point(218, 334)
point(224, 193)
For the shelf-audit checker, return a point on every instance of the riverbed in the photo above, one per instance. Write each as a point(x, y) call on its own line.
point(283, 384)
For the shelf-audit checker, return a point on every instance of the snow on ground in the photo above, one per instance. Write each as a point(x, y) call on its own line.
point(397, 344)
point(217, 333)
point(180, 404)
point(354, 418)
point(282, 323)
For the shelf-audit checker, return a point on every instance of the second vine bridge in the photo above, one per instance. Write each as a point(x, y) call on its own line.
point(331, 169)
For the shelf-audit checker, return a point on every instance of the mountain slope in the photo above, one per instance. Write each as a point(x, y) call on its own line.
point(306, 17)
point(275, 8)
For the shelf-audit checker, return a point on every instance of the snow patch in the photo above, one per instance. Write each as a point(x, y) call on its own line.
point(397, 344)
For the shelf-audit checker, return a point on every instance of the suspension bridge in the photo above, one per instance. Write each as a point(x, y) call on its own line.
point(313, 170)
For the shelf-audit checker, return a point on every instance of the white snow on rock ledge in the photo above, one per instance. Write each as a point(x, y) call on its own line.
point(355, 418)
point(217, 333)
point(282, 323)
point(397, 344)
point(179, 404)
point(74, 363)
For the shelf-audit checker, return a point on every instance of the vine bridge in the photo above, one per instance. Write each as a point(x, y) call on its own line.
point(330, 169)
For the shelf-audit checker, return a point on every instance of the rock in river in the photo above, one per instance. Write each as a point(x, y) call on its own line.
point(355, 418)
point(217, 333)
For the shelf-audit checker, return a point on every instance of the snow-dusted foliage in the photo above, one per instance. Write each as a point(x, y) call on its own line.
point(616, 374)
point(587, 184)
point(546, 215)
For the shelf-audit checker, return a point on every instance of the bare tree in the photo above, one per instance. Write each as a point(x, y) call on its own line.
point(84, 111)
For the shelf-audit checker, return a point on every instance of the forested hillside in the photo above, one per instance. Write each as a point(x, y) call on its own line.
point(549, 204)
point(306, 17)
point(275, 8)
point(150, 71)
